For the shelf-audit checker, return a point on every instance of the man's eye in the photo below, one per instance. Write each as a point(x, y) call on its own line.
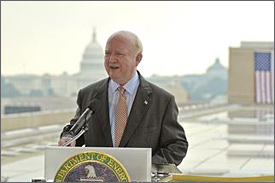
point(119, 53)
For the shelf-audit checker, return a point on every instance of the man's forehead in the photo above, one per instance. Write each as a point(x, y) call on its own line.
point(119, 44)
point(117, 49)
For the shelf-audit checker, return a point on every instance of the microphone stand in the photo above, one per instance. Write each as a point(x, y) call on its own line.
point(82, 131)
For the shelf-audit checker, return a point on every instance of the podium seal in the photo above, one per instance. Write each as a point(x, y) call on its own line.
point(92, 166)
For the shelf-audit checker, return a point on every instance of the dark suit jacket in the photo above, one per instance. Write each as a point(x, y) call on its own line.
point(152, 122)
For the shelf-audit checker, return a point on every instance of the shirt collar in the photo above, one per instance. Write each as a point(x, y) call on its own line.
point(129, 86)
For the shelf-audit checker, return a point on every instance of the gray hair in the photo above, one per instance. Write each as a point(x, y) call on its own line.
point(138, 44)
point(137, 41)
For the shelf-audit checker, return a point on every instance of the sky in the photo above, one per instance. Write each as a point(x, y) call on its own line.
point(178, 37)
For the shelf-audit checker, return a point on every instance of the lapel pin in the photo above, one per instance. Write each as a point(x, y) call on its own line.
point(145, 102)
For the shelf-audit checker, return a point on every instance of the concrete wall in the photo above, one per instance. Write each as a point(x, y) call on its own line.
point(31, 120)
point(241, 76)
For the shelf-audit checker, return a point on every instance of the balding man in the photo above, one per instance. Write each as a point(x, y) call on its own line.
point(132, 112)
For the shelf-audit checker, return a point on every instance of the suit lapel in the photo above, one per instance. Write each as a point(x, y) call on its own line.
point(140, 106)
point(103, 112)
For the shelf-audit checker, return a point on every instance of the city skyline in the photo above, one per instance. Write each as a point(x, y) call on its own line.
point(50, 37)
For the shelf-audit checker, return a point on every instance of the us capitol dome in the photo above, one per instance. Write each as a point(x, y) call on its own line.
point(92, 63)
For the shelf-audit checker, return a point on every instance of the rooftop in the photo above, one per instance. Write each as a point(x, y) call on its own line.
point(225, 141)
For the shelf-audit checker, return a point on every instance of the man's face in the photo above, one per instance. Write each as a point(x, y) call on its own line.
point(121, 58)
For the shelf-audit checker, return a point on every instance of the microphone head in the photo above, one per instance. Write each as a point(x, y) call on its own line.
point(94, 105)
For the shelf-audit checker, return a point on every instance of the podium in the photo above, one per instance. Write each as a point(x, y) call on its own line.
point(136, 161)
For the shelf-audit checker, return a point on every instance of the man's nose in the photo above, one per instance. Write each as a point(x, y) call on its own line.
point(112, 58)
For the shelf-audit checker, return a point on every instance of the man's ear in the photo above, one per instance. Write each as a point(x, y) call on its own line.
point(138, 58)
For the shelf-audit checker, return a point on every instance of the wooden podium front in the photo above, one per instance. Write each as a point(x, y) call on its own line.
point(136, 161)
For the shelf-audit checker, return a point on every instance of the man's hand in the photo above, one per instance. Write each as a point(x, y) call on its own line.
point(63, 140)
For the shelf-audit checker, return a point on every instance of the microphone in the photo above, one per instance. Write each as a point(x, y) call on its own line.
point(83, 119)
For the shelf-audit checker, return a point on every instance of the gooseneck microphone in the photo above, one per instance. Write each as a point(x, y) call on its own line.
point(82, 122)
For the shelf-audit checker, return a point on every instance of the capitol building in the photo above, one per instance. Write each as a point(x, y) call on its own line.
point(91, 70)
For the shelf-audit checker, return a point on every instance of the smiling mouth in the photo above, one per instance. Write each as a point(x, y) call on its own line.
point(114, 67)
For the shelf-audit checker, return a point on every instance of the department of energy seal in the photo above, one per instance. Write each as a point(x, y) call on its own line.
point(92, 166)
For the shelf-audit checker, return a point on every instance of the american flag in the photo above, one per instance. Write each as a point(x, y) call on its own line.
point(264, 76)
